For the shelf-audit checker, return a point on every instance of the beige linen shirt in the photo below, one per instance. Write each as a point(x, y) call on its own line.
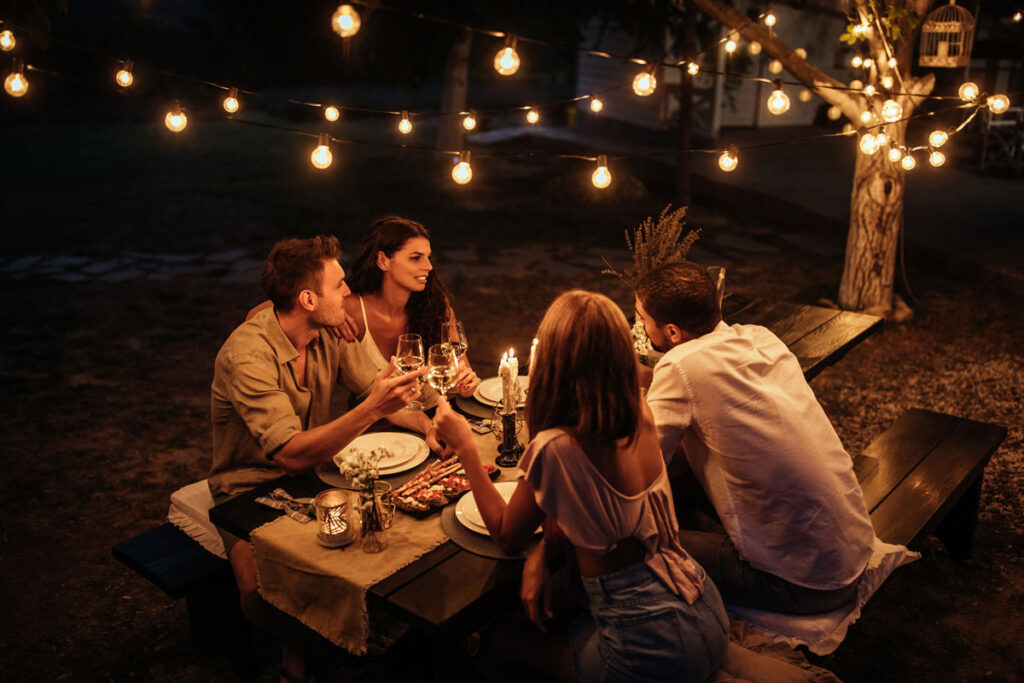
point(765, 453)
point(257, 403)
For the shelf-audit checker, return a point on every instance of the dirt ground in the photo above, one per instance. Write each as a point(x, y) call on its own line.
point(106, 390)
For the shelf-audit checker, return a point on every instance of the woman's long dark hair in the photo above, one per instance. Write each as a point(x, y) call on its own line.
point(426, 309)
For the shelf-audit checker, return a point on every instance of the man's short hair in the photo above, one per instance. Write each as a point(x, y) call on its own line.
point(294, 265)
point(681, 293)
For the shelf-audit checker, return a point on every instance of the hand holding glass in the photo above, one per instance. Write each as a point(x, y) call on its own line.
point(409, 358)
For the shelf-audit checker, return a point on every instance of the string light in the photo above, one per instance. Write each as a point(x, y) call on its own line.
point(936, 158)
point(728, 161)
point(176, 119)
point(506, 61)
point(868, 144)
point(938, 138)
point(462, 172)
point(230, 102)
point(860, 29)
point(730, 46)
point(754, 47)
point(469, 123)
point(644, 83)
point(908, 163)
point(805, 95)
point(331, 113)
point(895, 154)
point(857, 61)
point(1017, 16)
point(345, 21)
point(998, 104)
point(405, 125)
point(892, 111)
point(968, 92)
point(532, 116)
point(856, 85)
point(7, 41)
point(769, 20)
point(868, 63)
point(16, 84)
point(800, 52)
point(848, 128)
point(881, 139)
point(869, 90)
point(693, 68)
point(834, 113)
point(124, 76)
point(775, 66)
point(596, 104)
point(778, 101)
point(891, 63)
point(867, 116)
point(602, 177)
point(321, 156)
point(887, 82)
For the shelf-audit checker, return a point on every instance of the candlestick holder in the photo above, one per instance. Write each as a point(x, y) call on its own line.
point(510, 450)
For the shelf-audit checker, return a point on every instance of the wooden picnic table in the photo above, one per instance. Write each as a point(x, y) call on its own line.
point(450, 591)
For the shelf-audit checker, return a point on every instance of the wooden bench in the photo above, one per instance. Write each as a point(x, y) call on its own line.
point(179, 566)
point(924, 475)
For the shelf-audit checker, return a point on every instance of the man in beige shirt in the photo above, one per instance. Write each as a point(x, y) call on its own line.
point(271, 395)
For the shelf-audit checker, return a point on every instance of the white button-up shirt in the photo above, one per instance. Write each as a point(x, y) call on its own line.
point(766, 454)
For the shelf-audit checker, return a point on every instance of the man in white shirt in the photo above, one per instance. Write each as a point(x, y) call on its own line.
point(732, 403)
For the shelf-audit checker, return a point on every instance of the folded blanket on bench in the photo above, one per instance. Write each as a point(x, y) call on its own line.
point(190, 512)
point(823, 633)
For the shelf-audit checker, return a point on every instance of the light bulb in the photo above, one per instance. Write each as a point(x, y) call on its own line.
point(887, 82)
point(321, 156)
point(462, 172)
point(805, 95)
point(868, 63)
point(176, 119)
point(775, 66)
point(730, 46)
point(532, 116)
point(881, 139)
point(938, 138)
point(596, 105)
point(936, 158)
point(856, 85)
point(693, 68)
point(856, 61)
point(968, 91)
point(892, 110)
point(644, 83)
point(867, 116)
point(800, 52)
point(895, 154)
point(506, 61)
point(860, 29)
point(848, 128)
point(754, 48)
point(834, 113)
point(769, 19)
point(602, 177)
point(868, 144)
point(728, 161)
point(778, 101)
point(997, 104)
point(331, 113)
point(908, 163)
point(7, 41)
point(869, 90)
point(405, 125)
point(891, 63)
point(469, 123)
point(1017, 16)
point(124, 76)
point(16, 84)
point(230, 102)
point(345, 21)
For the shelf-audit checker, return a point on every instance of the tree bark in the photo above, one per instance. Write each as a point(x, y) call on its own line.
point(450, 133)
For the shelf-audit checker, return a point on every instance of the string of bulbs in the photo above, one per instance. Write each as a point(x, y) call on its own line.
point(346, 22)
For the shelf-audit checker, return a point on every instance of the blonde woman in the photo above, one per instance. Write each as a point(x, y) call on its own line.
point(594, 469)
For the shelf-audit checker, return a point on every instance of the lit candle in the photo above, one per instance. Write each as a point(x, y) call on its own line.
point(533, 349)
point(509, 373)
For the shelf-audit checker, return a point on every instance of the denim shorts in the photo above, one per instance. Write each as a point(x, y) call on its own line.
point(638, 631)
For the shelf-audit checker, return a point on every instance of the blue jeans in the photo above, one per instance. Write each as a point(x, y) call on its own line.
point(638, 631)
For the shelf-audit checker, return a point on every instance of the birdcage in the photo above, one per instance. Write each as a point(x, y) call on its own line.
point(947, 37)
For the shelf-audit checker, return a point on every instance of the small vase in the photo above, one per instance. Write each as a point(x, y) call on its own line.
point(373, 523)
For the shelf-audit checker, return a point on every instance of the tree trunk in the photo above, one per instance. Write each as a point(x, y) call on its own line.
point(450, 132)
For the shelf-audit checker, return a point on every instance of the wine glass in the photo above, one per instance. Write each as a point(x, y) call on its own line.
point(409, 358)
point(442, 367)
point(453, 334)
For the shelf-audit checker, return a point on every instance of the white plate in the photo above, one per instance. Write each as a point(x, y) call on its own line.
point(489, 391)
point(403, 447)
point(468, 514)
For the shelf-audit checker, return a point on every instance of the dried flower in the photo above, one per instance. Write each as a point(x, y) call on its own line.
point(656, 243)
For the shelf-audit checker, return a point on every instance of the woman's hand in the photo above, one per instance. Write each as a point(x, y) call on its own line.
point(452, 428)
point(466, 381)
point(535, 591)
point(346, 330)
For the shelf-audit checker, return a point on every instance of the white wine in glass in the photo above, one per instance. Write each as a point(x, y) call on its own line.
point(442, 367)
point(409, 358)
point(453, 334)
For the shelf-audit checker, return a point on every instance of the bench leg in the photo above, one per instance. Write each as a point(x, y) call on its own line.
point(956, 531)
